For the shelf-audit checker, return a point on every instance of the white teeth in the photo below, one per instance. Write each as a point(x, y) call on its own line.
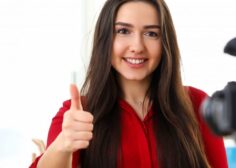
point(134, 61)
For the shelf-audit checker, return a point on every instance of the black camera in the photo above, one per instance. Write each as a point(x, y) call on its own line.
point(219, 110)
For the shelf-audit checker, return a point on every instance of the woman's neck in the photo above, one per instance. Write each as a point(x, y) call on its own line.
point(134, 92)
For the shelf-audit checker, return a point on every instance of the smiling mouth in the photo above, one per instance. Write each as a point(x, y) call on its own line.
point(135, 61)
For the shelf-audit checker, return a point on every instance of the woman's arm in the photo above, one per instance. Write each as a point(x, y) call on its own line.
point(55, 157)
point(70, 131)
point(54, 131)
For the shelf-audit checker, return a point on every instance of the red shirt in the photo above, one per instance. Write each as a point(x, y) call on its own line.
point(138, 144)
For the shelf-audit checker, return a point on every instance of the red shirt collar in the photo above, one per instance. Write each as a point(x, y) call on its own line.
point(129, 109)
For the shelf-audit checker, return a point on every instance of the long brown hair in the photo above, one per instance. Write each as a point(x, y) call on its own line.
point(177, 134)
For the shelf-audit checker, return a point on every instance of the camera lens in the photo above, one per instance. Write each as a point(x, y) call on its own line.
point(212, 111)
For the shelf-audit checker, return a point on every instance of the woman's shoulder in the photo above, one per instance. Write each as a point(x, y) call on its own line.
point(197, 95)
point(196, 92)
point(65, 106)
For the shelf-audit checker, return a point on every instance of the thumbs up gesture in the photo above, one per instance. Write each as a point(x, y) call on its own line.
point(77, 125)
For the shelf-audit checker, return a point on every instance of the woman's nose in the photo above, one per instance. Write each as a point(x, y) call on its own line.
point(137, 44)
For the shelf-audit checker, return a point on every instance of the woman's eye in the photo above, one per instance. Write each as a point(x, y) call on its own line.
point(122, 31)
point(152, 34)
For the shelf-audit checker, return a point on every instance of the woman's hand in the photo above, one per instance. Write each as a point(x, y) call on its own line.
point(77, 125)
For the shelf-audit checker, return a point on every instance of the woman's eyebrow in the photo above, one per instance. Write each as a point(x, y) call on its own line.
point(145, 27)
point(124, 24)
point(152, 27)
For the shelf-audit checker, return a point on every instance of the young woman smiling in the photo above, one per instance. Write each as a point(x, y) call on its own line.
point(135, 111)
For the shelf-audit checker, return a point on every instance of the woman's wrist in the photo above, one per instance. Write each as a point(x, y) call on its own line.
point(63, 158)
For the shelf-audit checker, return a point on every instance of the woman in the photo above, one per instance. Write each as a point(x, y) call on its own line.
point(135, 111)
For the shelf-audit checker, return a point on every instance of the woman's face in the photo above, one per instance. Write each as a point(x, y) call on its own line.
point(137, 43)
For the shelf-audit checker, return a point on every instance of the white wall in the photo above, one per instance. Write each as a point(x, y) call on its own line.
point(43, 41)
point(203, 28)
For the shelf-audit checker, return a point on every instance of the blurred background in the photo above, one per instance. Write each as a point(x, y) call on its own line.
point(43, 41)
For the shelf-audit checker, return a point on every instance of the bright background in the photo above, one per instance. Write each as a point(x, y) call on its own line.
point(43, 41)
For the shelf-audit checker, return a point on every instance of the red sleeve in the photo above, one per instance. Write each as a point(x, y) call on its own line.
point(214, 145)
point(54, 130)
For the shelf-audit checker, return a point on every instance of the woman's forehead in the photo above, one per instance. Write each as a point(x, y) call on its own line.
point(137, 12)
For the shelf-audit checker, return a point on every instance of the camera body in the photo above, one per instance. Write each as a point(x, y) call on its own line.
point(219, 110)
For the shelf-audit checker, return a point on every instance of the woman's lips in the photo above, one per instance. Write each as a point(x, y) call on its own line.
point(135, 62)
